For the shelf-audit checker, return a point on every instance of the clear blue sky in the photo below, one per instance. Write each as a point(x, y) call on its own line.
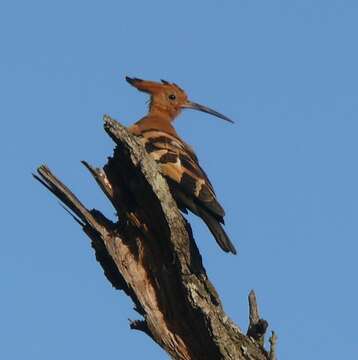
point(286, 173)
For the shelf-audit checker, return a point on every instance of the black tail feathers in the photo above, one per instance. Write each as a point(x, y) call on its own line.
point(211, 220)
point(217, 230)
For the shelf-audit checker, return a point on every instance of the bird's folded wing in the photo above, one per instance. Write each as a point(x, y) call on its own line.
point(178, 162)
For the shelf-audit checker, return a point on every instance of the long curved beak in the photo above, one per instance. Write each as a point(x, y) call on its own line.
point(196, 106)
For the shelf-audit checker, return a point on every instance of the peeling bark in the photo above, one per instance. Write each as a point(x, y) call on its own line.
point(151, 255)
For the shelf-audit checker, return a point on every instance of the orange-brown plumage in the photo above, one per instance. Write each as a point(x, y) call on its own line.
point(187, 181)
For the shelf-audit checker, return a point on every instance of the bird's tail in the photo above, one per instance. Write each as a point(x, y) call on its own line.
point(217, 230)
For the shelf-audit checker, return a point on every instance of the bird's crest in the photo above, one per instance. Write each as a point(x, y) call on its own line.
point(153, 87)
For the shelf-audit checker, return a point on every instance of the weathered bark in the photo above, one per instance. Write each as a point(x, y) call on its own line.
point(150, 253)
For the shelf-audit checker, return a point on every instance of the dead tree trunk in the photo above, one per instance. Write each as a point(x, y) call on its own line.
point(151, 255)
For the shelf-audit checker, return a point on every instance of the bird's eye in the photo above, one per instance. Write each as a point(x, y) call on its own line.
point(172, 97)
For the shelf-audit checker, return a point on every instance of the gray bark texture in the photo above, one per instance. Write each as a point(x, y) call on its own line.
point(150, 254)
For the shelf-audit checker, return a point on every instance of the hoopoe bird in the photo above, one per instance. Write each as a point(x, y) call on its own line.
point(187, 181)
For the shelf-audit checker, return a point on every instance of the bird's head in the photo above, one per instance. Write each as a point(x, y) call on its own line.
point(169, 98)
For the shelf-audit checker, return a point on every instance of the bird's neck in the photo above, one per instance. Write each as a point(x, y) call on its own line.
point(158, 120)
